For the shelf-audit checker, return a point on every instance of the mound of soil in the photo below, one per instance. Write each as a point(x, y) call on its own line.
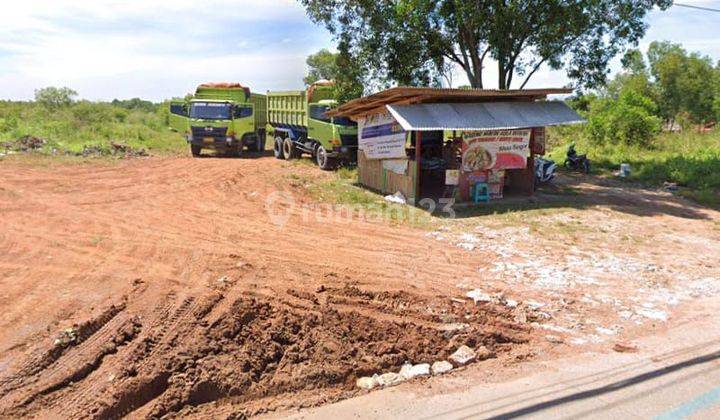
point(115, 149)
point(25, 144)
point(252, 353)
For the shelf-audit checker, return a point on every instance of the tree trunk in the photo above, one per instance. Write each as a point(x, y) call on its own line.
point(502, 83)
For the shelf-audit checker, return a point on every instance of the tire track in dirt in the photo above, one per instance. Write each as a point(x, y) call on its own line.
point(52, 368)
point(232, 308)
point(148, 343)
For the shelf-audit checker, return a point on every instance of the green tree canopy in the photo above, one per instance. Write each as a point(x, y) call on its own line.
point(629, 119)
point(411, 42)
point(685, 82)
point(338, 67)
point(321, 65)
point(54, 97)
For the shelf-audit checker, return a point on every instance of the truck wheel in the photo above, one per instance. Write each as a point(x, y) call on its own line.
point(238, 149)
point(195, 150)
point(289, 149)
point(324, 162)
point(278, 148)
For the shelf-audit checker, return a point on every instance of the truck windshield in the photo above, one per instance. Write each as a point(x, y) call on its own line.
point(344, 121)
point(210, 111)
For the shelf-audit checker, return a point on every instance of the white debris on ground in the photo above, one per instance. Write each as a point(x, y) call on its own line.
point(478, 295)
point(409, 371)
point(438, 368)
point(389, 379)
point(590, 296)
point(397, 198)
point(462, 356)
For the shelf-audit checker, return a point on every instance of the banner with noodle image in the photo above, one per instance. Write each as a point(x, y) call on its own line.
point(495, 150)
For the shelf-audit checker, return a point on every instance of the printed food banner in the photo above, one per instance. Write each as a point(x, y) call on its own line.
point(538, 141)
point(495, 150)
point(381, 137)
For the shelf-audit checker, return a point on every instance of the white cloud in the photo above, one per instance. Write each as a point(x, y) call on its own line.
point(109, 48)
point(157, 49)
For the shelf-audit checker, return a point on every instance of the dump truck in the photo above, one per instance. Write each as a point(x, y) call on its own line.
point(298, 124)
point(225, 117)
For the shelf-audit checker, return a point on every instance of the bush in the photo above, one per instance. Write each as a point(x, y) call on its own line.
point(628, 120)
point(90, 113)
point(82, 125)
point(689, 158)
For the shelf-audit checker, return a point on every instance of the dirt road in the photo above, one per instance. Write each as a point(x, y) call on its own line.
point(182, 292)
point(161, 287)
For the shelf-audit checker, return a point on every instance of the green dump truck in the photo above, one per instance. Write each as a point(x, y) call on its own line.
point(297, 124)
point(225, 117)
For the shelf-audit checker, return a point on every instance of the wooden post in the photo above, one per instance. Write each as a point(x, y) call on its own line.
point(530, 170)
point(418, 152)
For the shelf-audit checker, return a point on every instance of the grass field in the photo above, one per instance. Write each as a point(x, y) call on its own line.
point(87, 127)
point(690, 159)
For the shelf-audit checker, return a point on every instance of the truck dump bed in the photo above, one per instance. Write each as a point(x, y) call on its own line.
point(260, 103)
point(287, 109)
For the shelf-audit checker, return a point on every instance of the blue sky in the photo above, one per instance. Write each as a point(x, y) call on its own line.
point(109, 49)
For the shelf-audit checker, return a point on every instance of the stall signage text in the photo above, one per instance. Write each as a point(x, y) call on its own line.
point(381, 137)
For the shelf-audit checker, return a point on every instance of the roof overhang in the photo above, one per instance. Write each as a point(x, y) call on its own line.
point(483, 116)
point(376, 102)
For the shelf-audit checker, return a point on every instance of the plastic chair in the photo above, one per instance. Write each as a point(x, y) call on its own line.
point(480, 192)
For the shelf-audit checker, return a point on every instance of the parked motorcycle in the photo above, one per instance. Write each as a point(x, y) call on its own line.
point(576, 162)
point(544, 171)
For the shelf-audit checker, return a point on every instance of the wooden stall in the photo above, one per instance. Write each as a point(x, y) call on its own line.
point(453, 143)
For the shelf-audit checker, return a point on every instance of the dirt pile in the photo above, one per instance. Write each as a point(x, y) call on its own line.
point(28, 143)
point(253, 353)
point(24, 144)
point(115, 149)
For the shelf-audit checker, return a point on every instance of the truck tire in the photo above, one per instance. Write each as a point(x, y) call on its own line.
point(289, 149)
point(324, 162)
point(195, 150)
point(237, 150)
point(277, 148)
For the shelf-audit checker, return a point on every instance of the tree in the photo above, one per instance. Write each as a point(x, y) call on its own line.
point(348, 80)
point(338, 67)
point(321, 65)
point(685, 82)
point(635, 77)
point(716, 92)
point(411, 41)
point(628, 120)
point(53, 97)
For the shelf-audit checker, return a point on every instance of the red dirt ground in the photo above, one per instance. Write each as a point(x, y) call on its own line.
point(184, 299)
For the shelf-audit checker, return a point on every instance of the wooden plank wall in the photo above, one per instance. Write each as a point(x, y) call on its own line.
point(403, 183)
point(372, 175)
point(370, 172)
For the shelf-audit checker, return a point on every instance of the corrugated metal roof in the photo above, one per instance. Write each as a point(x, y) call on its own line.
point(483, 116)
point(413, 95)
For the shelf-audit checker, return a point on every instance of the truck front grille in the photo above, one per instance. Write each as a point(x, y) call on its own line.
point(209, 131)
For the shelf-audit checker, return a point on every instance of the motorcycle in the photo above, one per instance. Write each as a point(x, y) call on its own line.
point(576, 162)
point(544, 171)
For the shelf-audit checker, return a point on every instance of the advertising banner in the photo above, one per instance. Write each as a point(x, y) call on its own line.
point(381, 137)
point(495, 150)
point(538, 141)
